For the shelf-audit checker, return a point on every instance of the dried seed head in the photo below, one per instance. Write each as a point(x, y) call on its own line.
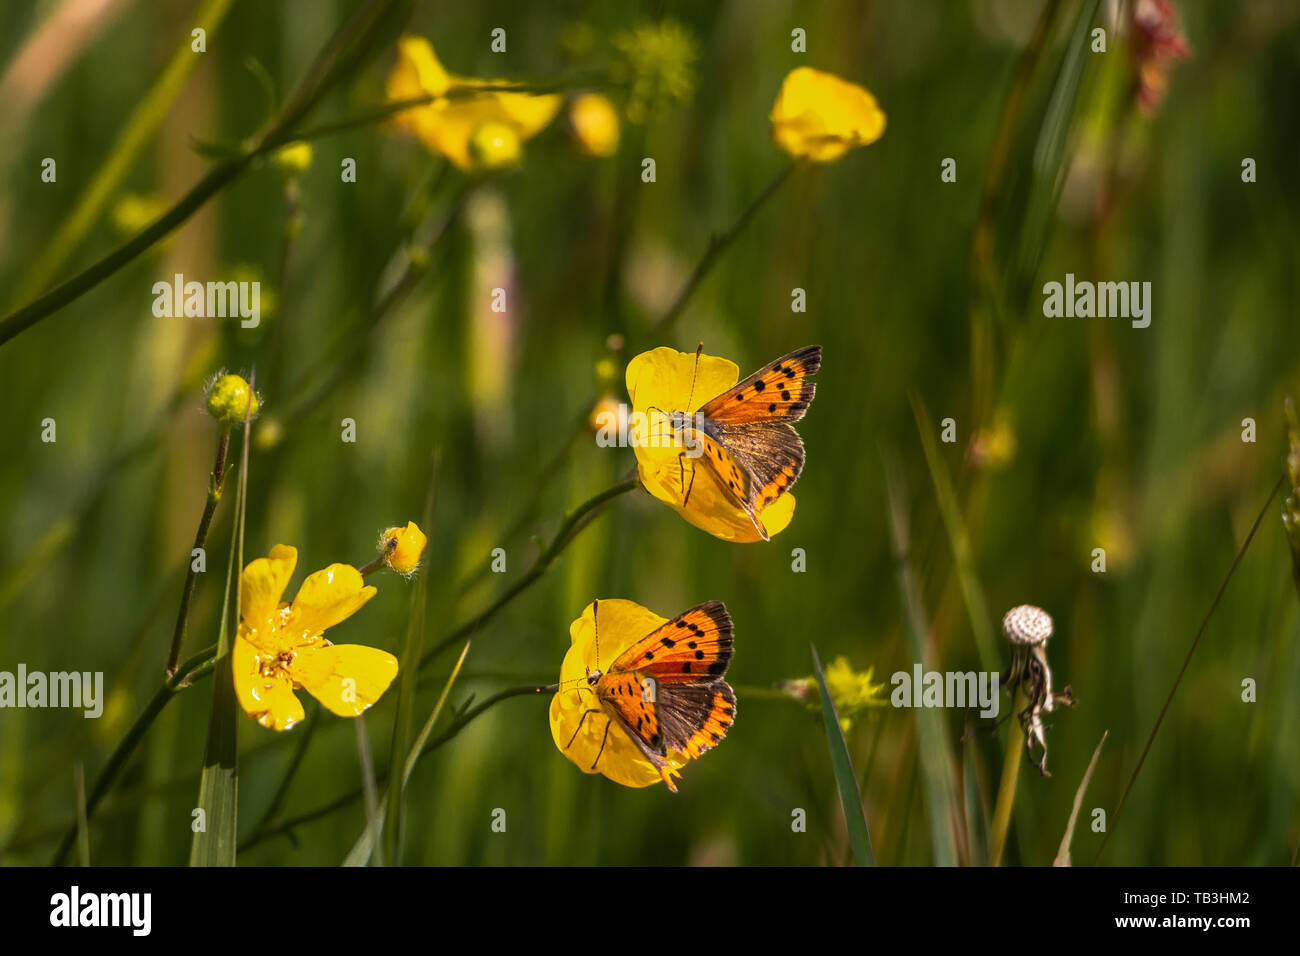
point(1027, 625)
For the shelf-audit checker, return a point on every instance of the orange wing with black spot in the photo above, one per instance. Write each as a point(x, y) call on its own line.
point(694, 646)
point(667, 689)
point(778, 392)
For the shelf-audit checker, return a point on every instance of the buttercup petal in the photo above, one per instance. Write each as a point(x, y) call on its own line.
point(326, 598)
point(820, 117)
point(268, 700)
point(263, 582)
point(345, 678)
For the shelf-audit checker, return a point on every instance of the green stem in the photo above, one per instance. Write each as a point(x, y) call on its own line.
point(717, 245)
point(1241, 553)
point(1015, 755)
point(573, 524)
point(216, 483)
point(200, 665)
point(330, 66)
point(351, 796)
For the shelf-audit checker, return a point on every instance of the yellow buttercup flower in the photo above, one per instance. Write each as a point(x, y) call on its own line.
point(281, 648)
point(622, 624)
point(461, 127)
point(401, 548)
point(595, 125)
point(819, 117)
point(663, 381)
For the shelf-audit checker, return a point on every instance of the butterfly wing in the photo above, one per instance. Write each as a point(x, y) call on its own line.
point(690, 707)
point(770, 453)
point(694, 646)
point(779, 391)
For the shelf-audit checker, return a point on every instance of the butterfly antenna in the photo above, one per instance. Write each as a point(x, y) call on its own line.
point(595, 618)
point(698, 349)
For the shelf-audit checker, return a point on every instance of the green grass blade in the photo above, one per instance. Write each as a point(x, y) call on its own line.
point(361, 850)
point(1063, 854)
point(971, 591)
point(374, 818)
point(938, 773)
point(1027, 219)
point(83, 823)
point(854, 816)
point(216, 843)
point(140, 128)
point(977, 818)
point(412, 650)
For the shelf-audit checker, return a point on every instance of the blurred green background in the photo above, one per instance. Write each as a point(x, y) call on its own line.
point(1072, 434)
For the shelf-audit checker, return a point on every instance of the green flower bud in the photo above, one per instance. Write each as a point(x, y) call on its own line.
point(229, 399)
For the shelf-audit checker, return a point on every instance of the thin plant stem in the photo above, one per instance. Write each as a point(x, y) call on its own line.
point(719, 244)
point(83, 827)
point(330, 67)
point(1114, 820)
point(573, 524)
point(350, 797)
point(196, 667)
point(216, 484)
point(1015, 756)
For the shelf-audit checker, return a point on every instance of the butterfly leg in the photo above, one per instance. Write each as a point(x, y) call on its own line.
point(681, 469)
point(581, 721)
point(603, 741)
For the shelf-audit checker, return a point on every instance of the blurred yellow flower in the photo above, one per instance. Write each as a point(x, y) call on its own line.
point(495, 146)
point(449, 124)
point(622, 624)
point(281, 648)
point(402, 547)
point(595, 124)
point(294, 158)
point(852, 692)
point(134, 212)
point(229, 399)
point(663, 381)
point(819, 117)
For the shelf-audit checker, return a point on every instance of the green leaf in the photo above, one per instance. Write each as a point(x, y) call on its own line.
point(216, 843)
point(854, 816)
point(1063, 854)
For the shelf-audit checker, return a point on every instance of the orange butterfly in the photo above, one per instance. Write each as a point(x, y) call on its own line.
point(745, 435)
point(666, 691)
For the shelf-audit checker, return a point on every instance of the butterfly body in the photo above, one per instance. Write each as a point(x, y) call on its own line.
point(745, 437)
point(666, 691)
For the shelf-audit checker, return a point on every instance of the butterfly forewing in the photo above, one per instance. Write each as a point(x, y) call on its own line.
point(779, 391)
point(694, 646)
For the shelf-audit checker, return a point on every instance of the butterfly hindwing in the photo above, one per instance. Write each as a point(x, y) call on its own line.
point(779, 391)
point(771, 455)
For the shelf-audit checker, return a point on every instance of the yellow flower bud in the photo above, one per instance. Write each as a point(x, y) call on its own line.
point(229, 398)
point(494, 146)
point(294, 158)
point(401, 548)
point(820, 117)
point(595, 124)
